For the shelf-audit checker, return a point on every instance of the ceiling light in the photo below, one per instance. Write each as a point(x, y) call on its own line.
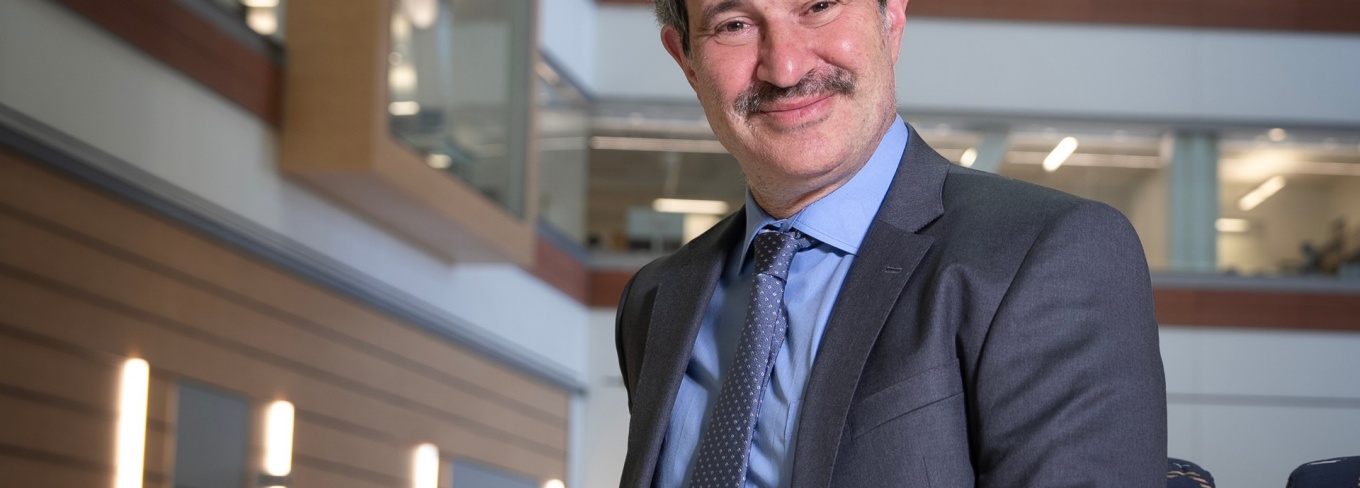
point(968, 158)
point(1235, 226)
point(439, 161)
point(403, 78)
point(264, 21)
point(657, 145)
point(1277, 134)
point(404, 108)
point(676, 205)
point(421, 13)
point(1060, 153)
point(260, 3)
point(132, 400)
point(1261, 193)
point(554, 484)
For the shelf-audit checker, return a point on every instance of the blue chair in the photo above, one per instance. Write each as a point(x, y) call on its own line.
point(1185, 474)
point(1327, 473)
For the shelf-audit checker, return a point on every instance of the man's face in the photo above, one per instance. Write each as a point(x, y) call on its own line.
point(799, 91)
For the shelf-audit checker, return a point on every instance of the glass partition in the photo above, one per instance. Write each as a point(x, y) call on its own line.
point(1290, 203)
point(459, 90)
point(563, 135)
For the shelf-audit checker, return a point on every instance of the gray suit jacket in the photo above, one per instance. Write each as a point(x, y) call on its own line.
point(989, 333)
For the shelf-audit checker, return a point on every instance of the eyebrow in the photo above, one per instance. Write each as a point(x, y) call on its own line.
point(716, 9)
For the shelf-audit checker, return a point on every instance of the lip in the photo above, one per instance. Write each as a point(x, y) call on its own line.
point(797, 111)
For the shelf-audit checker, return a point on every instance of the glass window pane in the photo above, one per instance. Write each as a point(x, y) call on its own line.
point(211, 436)
point(467, 474)
point(563, 133)
point(459, 90)
point(1290, 203)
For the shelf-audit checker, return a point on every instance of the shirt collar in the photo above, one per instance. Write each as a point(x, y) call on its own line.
point(842, 218)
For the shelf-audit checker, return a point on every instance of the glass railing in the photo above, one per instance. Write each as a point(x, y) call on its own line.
point(562, 137)
point(460, 90)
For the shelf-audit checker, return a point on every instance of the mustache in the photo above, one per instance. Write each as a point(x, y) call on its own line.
point(832, 80)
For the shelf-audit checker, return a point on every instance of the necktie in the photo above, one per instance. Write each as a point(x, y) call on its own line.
point(726, 444)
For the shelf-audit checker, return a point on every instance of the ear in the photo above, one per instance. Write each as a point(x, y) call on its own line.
point(670, 38)
point(896, 12)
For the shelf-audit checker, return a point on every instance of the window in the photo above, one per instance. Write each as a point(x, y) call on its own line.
point(211, 437)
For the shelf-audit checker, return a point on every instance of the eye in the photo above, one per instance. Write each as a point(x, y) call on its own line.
point(734, 31)
point(820, 7)
point(732, 27)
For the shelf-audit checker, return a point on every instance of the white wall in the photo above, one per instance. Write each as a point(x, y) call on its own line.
point(567, 32)
point(70, 74)
point(606, 406)
point(1062, 70)
point(1252, 405)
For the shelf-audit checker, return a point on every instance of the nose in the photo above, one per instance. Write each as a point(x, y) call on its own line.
point(785, 55)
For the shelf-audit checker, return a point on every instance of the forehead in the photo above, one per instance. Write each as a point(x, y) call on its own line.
point(699, 9)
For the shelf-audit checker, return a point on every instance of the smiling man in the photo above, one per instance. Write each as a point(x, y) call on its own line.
point(875, 316)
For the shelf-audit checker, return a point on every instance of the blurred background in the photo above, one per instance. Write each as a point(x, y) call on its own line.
point(378, 243)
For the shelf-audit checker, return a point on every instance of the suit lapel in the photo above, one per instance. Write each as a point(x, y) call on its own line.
point(691, 277)
point(888, 256)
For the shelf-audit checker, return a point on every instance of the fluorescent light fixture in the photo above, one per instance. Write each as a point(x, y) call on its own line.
point(132, 399)
point(676, 205)
point(554, 484)
point(264, 21)
point(657, 145)
point(1261, 193)
point(278, 441)
point(1235, 226)
point(969, 157)
point(403, 108)
point(1060, 153)
point(427, 466)
point(260, 3)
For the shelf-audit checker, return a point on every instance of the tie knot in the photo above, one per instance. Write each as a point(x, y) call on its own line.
point(774, 251)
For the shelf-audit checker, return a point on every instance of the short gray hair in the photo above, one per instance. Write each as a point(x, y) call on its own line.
point(673, 13)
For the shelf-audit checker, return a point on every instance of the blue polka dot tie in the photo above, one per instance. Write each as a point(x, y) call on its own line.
point(726, 444)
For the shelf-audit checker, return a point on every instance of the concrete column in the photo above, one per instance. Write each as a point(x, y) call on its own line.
point(1194, 201)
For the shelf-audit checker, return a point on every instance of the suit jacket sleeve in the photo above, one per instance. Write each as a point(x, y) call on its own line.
point(1069, 387)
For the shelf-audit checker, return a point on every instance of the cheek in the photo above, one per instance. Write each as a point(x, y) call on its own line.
point(724, 75)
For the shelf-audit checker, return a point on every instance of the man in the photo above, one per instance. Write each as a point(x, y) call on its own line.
point(876, 316)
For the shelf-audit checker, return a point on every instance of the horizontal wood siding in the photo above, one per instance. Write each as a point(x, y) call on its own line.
point(87, 281)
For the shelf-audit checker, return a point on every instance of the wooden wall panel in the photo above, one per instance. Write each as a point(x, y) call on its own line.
point(133, 288)
point(86, 281)
point(149, 242)
point(25, 469)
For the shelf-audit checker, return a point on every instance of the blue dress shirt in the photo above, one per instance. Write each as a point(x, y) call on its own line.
point(837, 223)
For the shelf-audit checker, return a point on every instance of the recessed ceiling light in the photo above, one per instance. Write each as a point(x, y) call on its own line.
point(439, 161)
